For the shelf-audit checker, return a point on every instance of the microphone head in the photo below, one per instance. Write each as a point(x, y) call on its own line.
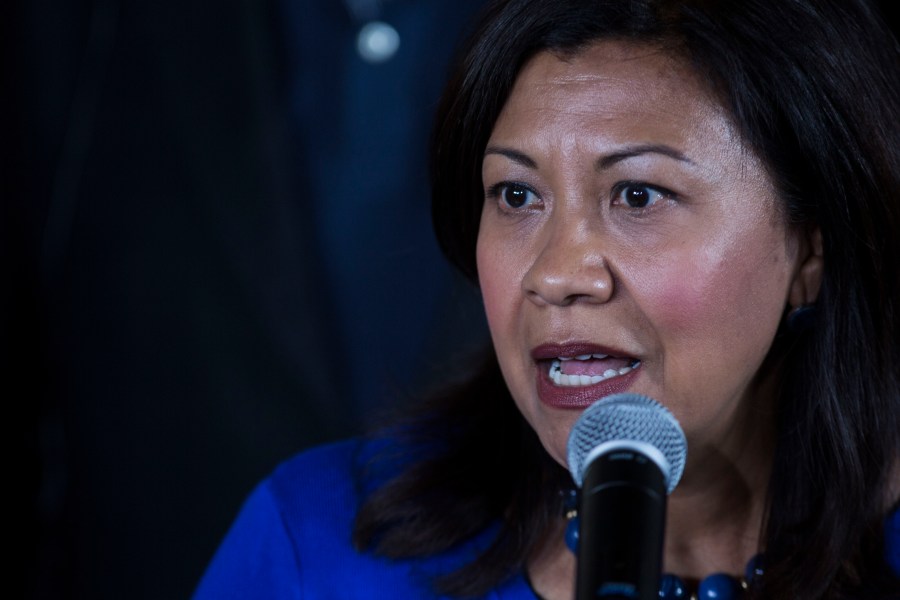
point(627, 420)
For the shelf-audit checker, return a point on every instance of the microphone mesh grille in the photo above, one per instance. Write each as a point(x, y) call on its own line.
point(628, 417)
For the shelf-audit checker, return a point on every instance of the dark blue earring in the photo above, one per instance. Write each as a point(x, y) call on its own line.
point(801, 318)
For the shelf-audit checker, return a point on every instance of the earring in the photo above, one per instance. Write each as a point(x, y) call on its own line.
point(801, 318)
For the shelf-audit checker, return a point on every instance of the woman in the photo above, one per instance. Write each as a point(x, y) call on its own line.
point(696, 201)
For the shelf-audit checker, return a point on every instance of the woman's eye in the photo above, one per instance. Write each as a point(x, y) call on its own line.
point(640, 195)
point(514, 195)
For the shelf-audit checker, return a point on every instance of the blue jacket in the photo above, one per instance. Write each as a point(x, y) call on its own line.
point(292, 540)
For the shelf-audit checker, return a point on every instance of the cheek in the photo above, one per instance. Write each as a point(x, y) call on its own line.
point(674, 297)
point(683, 297)
point(733, 293)
point(495, 283)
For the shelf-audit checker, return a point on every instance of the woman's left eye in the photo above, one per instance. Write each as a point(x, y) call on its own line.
point(640, 195)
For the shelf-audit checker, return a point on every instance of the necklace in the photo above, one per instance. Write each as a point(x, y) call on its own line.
point(718, 586)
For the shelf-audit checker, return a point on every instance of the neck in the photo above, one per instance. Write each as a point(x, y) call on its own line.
point(715, 517)
point(717, 529)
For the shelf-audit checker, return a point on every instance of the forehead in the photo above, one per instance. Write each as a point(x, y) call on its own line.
point(655, 92)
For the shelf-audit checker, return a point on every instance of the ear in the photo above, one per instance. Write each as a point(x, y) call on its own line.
point(808, 278)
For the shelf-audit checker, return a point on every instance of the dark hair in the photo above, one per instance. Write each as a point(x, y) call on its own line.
point(812, 86)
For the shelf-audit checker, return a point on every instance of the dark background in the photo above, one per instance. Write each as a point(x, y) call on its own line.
point(216, 252)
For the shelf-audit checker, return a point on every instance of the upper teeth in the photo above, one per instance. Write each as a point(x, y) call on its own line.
point(583, 357)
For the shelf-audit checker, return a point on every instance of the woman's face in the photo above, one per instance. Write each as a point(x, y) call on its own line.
point(629, 241)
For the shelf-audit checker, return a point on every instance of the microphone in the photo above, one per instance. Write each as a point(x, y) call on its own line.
point(626, 452)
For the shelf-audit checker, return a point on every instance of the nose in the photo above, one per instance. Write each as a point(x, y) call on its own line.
point(570, 268)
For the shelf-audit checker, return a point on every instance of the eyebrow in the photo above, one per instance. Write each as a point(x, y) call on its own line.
point(604, 162)
point(513, 155)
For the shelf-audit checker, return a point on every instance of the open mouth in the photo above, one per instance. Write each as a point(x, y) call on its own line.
point(589, 369)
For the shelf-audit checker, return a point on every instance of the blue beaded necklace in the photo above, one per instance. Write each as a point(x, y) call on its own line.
point(718, 586)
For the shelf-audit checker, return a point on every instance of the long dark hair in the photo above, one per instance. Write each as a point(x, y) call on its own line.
point(813, 86)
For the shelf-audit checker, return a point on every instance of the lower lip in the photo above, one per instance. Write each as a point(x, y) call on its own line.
point(580, 397)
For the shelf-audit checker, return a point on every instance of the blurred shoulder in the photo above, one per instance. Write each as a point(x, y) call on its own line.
point(329, 463)
point(320, 485)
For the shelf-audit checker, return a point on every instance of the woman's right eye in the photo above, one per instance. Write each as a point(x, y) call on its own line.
point(514, 195)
